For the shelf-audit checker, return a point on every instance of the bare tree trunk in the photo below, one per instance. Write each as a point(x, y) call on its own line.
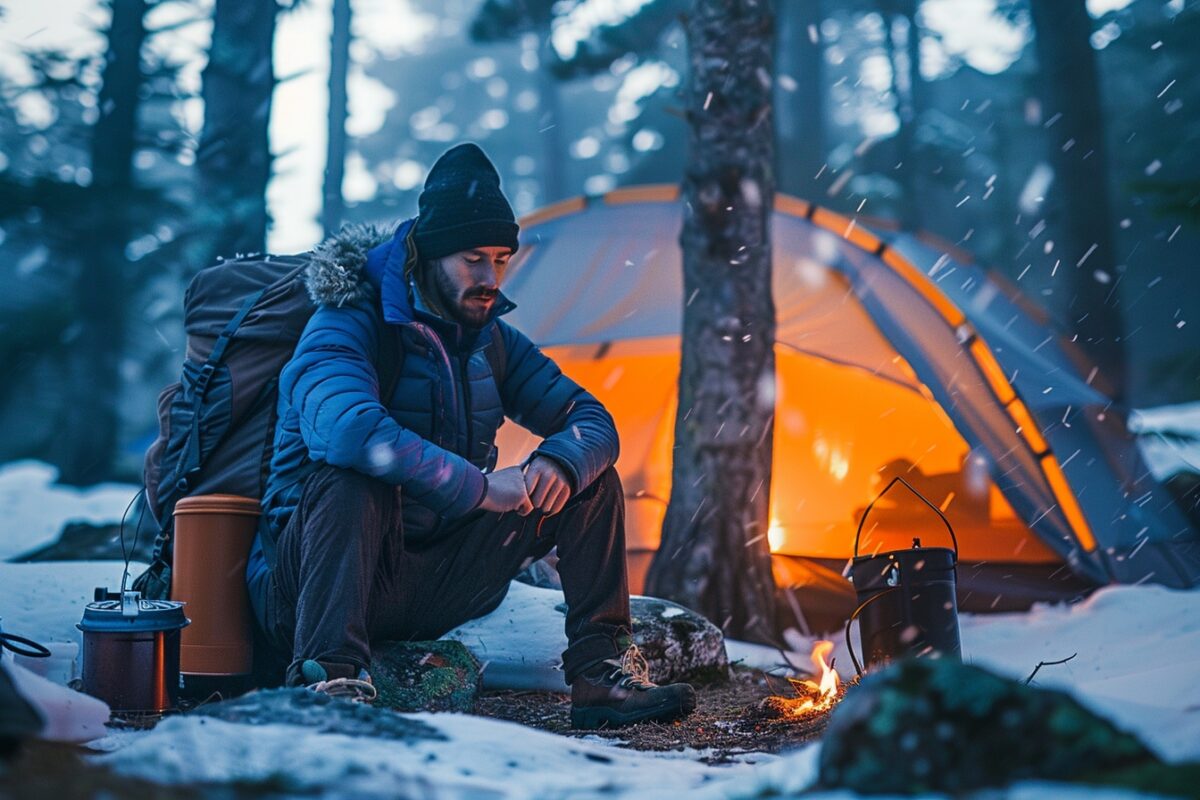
point(234, 160)
point(550, 119)
point(86, 444)
point(1079, 216)
point(907, 89)
point(800, 112)
point(333, 205)
point(714, 555)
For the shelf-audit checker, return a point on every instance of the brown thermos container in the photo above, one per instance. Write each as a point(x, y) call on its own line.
point(213, 534)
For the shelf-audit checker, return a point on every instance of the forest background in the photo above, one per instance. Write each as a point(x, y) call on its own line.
point(140, 141)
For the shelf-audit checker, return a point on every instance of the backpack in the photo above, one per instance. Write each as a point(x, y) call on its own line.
point(216, 424)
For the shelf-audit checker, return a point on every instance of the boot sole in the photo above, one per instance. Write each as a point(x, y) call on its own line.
point(597, 717)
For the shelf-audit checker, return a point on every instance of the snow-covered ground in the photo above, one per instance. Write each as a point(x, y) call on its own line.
point(1137, 662)
point(1138, 659)
point(1169, 438)
point(35, 510)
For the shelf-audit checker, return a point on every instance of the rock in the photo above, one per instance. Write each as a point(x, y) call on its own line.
point(84, 541)
point(520, 644)
point(542, 573)
point(318, 712)
point(679, 644)
point(425, 676)
point(926, 725)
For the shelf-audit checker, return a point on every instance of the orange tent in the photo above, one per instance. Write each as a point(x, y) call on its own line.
point(895, 356)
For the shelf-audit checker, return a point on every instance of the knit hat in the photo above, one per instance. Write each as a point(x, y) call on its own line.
point(462, 206)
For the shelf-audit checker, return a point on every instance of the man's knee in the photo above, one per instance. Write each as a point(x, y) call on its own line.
point(349, 492)
point(609, 484)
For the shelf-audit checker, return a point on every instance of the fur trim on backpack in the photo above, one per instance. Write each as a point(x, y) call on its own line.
point(335, 274)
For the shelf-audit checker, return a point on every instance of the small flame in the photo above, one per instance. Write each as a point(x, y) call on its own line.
point(816, 695)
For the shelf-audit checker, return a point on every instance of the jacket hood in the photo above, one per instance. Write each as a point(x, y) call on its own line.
point(337, 271)
point(362, 262)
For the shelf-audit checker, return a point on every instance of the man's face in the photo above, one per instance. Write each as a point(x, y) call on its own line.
point(469, 281)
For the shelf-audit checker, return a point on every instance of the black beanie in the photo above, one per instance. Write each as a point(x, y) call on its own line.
point(462, 206)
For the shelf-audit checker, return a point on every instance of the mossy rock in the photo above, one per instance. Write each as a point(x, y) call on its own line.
point(937, 725)
point(425, 676)
point(679, 644)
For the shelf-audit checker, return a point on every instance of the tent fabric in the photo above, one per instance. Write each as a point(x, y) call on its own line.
point(895, 355)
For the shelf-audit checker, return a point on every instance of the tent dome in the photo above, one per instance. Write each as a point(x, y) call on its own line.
point(895, 355)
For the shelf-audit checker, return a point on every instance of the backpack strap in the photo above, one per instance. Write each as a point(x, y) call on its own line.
point(391, 361)
point(497, 356)
point(189, 465)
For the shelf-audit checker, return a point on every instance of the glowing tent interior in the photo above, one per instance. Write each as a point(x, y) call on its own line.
point(895, 355)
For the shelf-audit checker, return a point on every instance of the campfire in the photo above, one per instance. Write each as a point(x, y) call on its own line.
point(812, 697)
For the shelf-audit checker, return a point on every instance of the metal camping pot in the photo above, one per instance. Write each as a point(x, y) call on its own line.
point(131, 651)
point(906, 598)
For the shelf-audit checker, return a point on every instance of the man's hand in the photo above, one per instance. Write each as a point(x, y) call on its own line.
point(506, 492)
point(548, 485)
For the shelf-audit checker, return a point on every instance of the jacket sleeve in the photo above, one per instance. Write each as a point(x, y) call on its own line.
point(332, 383)
point(578, 432)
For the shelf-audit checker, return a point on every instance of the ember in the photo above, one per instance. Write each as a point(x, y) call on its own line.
point(811, 696)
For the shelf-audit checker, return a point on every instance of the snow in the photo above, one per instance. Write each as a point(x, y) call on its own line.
point(35, 510)
point(481, 758)
point(43, 600)
point(1169, 438)
point(1138, 658)
point(1138, 653)
point(519, 644)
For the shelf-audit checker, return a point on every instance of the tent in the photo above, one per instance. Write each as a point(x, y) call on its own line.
point(895, 355)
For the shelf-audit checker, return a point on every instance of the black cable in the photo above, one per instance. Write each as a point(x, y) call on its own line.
point(35, 650)
point(124, 555)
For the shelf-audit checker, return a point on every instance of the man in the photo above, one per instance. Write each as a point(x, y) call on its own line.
point(384, 519)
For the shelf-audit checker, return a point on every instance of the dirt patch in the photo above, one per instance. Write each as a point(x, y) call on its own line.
point(729, 719)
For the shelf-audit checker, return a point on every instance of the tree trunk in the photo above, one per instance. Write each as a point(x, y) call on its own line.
point(234, 160)
point(714, 555)
point(907, 89)
point(1078, 214)
point(550, 121)
point(86, 443)
point(800, 113)
point(333, 206)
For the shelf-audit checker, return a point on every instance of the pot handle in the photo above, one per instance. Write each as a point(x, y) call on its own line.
point(29, 648)
point(936, 510)
point(849, 644)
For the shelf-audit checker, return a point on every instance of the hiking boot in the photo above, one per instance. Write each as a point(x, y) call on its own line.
point(616, 693)
point(338, 680)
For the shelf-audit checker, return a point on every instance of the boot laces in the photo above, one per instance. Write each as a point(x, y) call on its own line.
point(634, 670)
point(353, 689)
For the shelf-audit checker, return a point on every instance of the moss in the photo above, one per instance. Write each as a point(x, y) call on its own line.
point(425, 676)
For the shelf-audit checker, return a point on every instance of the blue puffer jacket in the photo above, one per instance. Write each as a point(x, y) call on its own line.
point(435, 435)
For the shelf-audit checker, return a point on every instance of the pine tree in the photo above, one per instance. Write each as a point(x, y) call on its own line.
point(233, 163)
point(1078, 209)
point(333, 205)
point(86, 444)
point(714, 555)
point(800, 106)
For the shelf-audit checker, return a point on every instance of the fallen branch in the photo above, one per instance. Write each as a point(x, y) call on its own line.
point(1047, 664)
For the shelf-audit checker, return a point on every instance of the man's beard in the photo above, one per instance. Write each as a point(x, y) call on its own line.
point(458, 307)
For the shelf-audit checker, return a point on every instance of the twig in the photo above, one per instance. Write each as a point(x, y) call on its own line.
point(788, 662)
point(1047, 664)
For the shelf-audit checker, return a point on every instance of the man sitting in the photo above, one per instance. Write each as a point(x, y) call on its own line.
point(384, 518)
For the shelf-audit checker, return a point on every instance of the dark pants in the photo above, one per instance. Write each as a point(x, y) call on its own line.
point(345, 576)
